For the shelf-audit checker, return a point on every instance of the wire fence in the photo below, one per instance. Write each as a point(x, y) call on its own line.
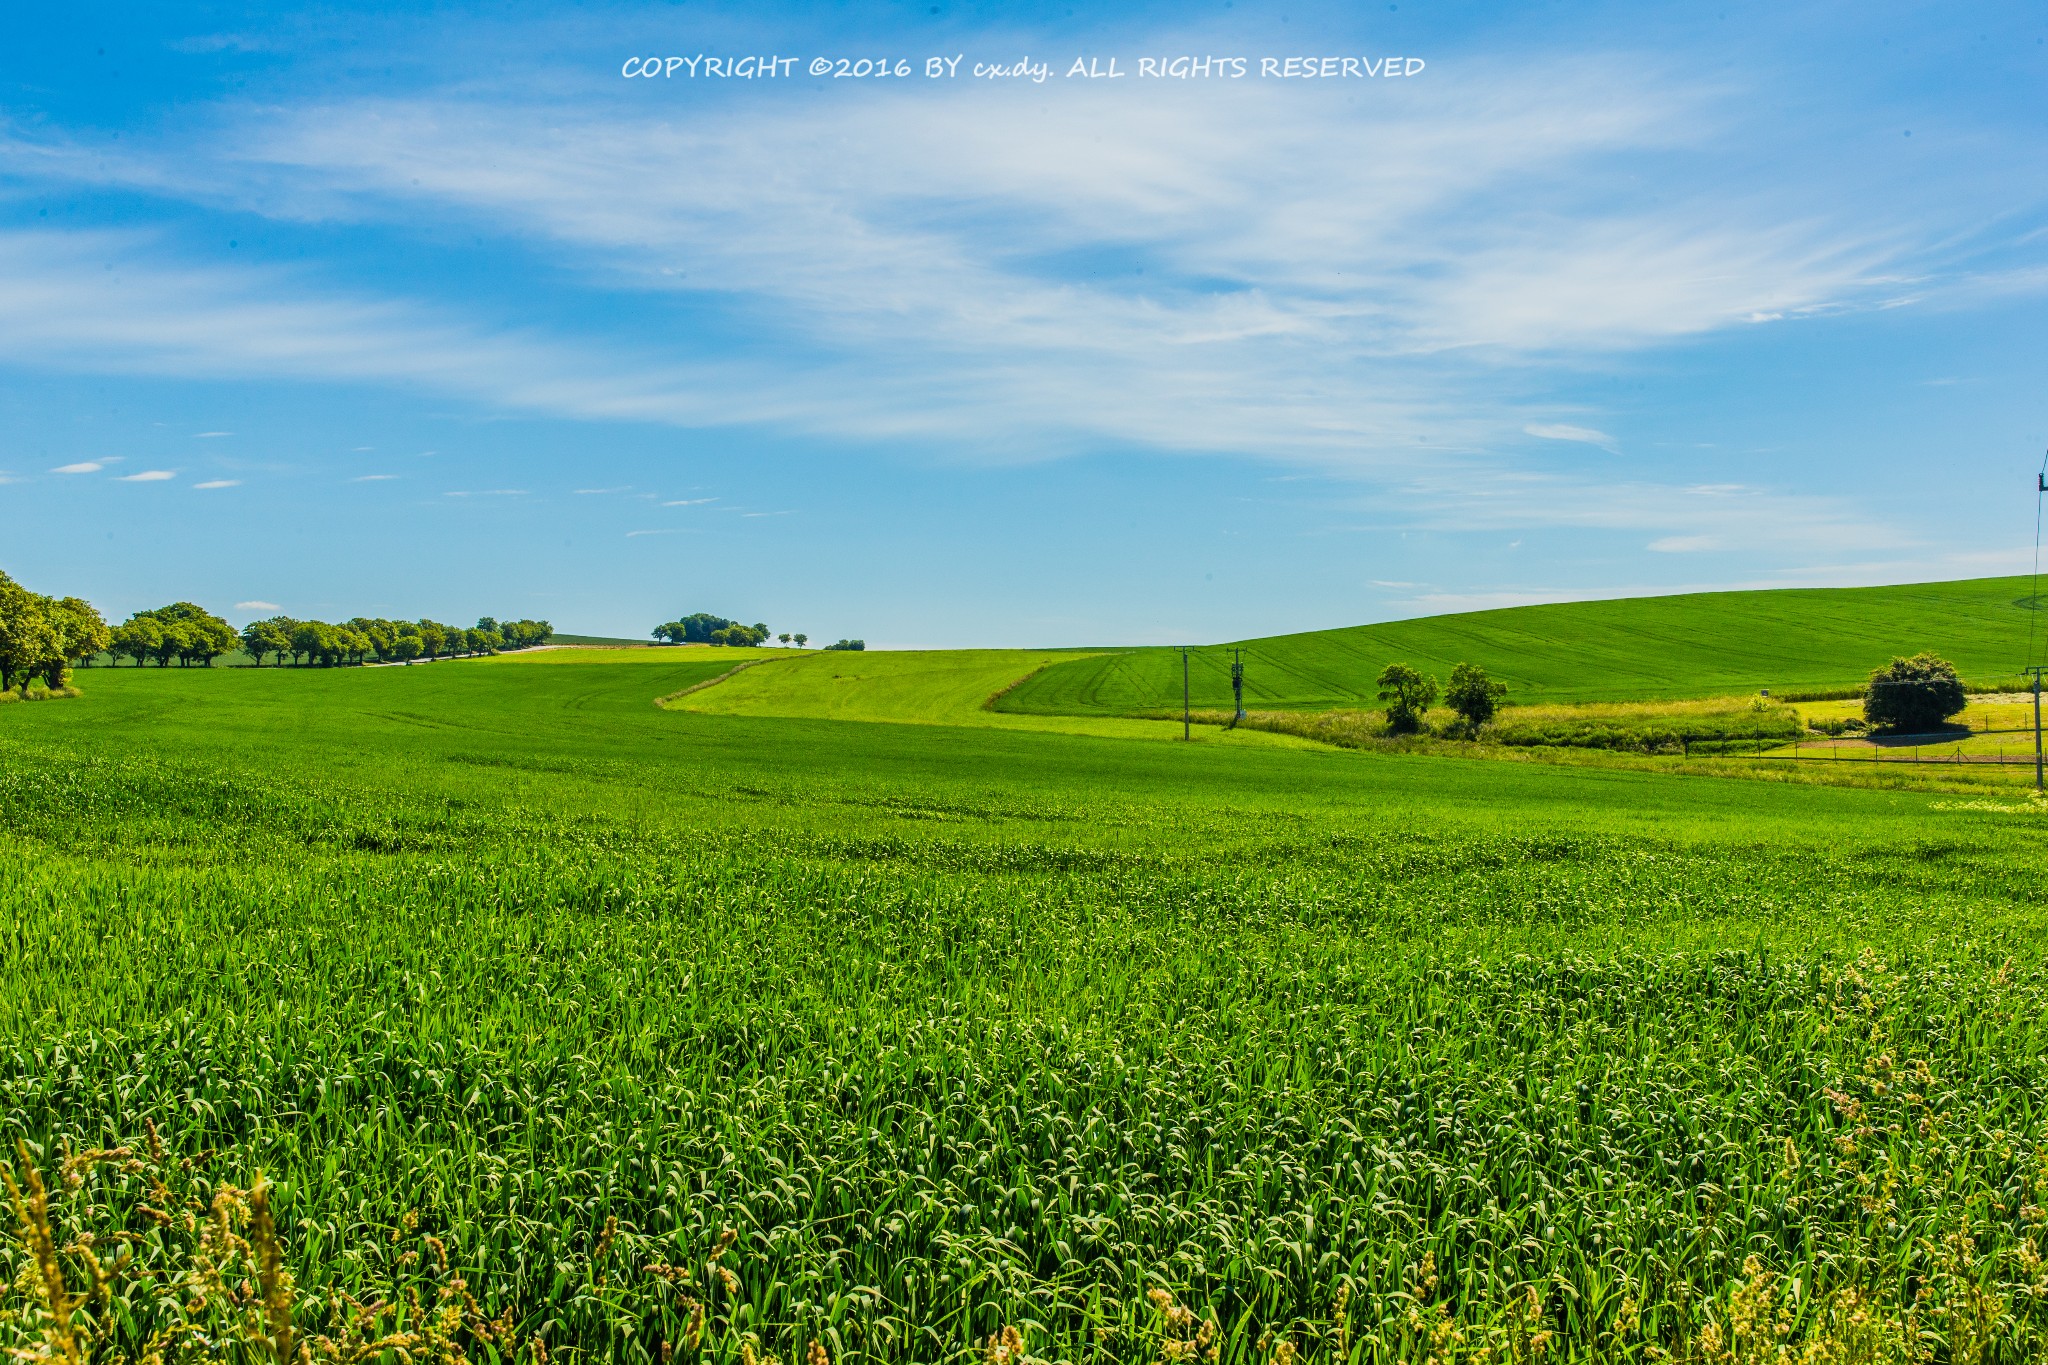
point(1987, 745)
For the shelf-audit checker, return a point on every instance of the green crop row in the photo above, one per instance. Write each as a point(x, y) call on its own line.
point(678, 1037)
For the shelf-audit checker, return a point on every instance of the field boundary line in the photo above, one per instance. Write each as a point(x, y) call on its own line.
point(988, 703)
point(662, 702)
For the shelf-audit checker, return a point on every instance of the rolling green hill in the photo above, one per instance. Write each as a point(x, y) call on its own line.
point(1695, 645)
point(918, 687)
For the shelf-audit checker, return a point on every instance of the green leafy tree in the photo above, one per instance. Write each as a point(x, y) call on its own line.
point(137, 638)
point(783, 638)
point(1473, 695)
point(1408, 694)
point(702, 628)
point(84, 631)
point(433, 638)
point(29, 638)
point(191, 634)
point(524, 634)
point(800, 639)
point(737, 636)
point(405, 647)
point(272, 636)
point(1912, 696)
point(849, 644)
point(377, 631)
point(172, 642)
point(307, 639)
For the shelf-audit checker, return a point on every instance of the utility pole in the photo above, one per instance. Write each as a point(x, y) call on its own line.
point(2036, 671)
point(1186, 730)
point(1237, 684)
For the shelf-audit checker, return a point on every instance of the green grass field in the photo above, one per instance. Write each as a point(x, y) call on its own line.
point(939, 687)
point(507, 976)
point(1699, 645)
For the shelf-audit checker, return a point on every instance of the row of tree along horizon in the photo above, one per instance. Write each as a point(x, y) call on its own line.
point(188, 634)
point(45, 637)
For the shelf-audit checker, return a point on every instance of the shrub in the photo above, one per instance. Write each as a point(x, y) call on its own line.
point(1907, 696)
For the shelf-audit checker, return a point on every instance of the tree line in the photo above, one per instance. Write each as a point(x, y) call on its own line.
point(41, 637)
point(188, 634)
point(362, 638)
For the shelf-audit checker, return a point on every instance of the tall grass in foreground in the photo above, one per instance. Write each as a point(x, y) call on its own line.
point(1138, 1053)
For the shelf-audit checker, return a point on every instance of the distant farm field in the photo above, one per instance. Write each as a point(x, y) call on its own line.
point(960, 687)
point(1698, 645)
point(657, 1034)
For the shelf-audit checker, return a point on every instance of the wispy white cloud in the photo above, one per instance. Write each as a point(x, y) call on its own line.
point(224, 42)
point(149, 476)
point(1675, 545)
point(1565, 431)
point(1367, 289)
point(1725, 516)
point(486, 493)
point(372, 478)
point(663, 531)
point(257, 606)
point(688, 502)
point(82, 467)
point(209, 435)
point(595, 492)
point(219, 483)
point(1196, 270)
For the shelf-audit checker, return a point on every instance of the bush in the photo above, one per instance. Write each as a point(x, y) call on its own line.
point(849, 644)
point(1910, 696)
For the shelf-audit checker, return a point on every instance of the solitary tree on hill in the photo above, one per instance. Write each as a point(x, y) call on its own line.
point(1912, 696)
point(1407, 694)
point(1473, 695)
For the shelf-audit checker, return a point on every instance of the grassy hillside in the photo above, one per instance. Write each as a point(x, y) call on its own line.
point(560, 639)
point(1696, 645)
point(527, 991)
point(918, 687)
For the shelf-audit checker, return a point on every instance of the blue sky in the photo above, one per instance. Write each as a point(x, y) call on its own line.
point(431, 311)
